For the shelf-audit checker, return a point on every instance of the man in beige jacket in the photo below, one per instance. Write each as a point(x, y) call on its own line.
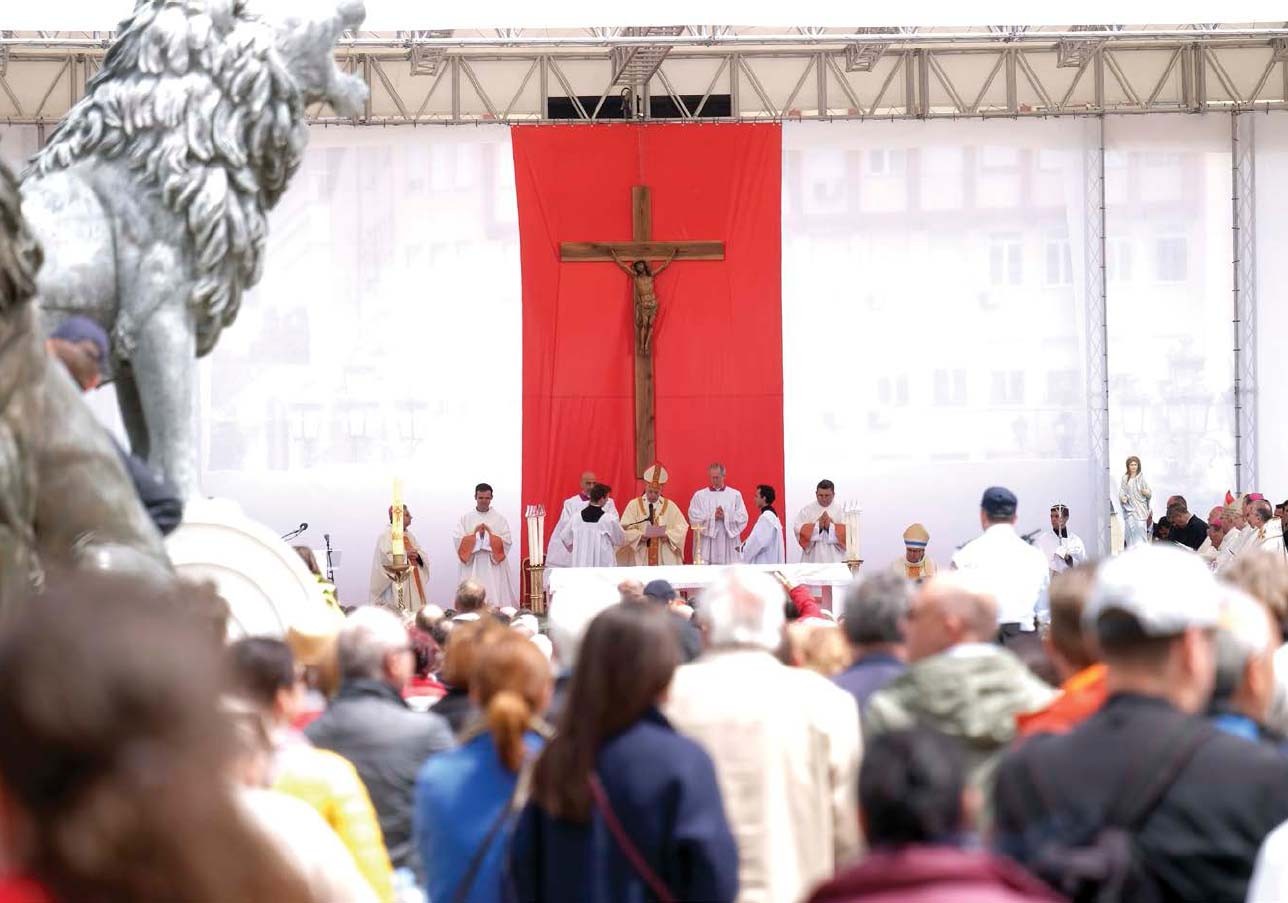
point(785, 742)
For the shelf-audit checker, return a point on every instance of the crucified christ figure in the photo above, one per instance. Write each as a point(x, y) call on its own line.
point(645, 298)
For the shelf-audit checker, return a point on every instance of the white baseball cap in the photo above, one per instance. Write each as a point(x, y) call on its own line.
point(1166, 589)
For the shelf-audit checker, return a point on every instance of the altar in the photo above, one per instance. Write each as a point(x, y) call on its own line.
point(691, 576)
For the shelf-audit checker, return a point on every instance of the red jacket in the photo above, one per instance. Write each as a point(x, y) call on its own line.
point(20, 890)
point(806, 605)
point(933, 874)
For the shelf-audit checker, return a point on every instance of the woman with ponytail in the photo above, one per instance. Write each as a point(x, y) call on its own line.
point(466, 797)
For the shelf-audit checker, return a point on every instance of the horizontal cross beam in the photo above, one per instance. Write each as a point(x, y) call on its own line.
point(641, 250)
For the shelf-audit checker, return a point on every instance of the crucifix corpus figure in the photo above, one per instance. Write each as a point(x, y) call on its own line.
point(634, 257)
point(645, 299)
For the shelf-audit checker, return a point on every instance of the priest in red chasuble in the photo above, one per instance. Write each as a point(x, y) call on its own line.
point(655, 528)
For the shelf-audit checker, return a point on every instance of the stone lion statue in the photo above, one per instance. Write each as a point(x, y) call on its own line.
point(65, 497)
point(152, 197)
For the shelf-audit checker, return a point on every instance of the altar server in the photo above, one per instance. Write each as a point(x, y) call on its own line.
point(482, 542)
point(592, 537)
point(557, 556)
point(720, 513)
point(654, 526)
point(765, 544)
point(1062, 548)
point(819, 534)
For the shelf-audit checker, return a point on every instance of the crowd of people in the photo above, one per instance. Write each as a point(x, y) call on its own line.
point(1004, 729)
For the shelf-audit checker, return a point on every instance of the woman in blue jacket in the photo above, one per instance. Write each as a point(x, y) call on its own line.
point(466, 797)
point(623, 809)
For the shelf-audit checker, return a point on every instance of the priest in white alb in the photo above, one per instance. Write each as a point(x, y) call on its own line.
point(594, 534)
point(558, 556)
point(653, 525)
point(382, 589)
point(765, 543)
point(720, 513)
point(482, 541)
point(819, 528)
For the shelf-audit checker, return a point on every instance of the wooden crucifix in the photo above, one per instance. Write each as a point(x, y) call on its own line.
point(633, 258)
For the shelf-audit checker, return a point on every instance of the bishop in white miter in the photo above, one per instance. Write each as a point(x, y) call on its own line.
point(816, 528)
point(654, 527)
point(593, 536)
point(720, 513)
point(383, 590)
point(557, 555)
point(1062, 549)
point(764, 544)
point(482, 541)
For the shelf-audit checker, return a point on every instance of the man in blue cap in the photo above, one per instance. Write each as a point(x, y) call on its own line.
point(1013, 571)
point(81, 345)
point(662, 592)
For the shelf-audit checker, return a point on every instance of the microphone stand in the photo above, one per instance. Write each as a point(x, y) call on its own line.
point(330, 568)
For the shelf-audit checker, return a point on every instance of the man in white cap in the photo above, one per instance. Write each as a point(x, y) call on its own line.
point(721, 515)
point(558, 556)
point(818, 531)
point(1062, 549)
point(915, 564)
point(655, 527)
point(1144, 765)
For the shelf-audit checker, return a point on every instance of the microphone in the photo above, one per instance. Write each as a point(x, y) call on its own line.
point(1029, 537)
point(297, 531)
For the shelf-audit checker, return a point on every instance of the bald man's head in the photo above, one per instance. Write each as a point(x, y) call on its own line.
point(587, 482)
point(951, 609)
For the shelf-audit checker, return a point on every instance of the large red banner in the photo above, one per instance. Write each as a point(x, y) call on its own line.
point(718, 335)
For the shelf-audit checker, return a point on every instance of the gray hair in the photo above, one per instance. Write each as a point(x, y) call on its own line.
point(1246, 633)
point(716, 465)
point(744, 608)
point(367, 638)
point(875, 607)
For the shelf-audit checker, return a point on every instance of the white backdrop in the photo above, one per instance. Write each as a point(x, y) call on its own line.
point(1169, 282)
point(933, 322)
point(383, 341)
point(1271, 145)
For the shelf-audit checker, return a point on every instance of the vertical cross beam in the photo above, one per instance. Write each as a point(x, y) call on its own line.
point(645, 437)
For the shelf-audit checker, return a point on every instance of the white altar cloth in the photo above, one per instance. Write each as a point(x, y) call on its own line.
point(688, 576)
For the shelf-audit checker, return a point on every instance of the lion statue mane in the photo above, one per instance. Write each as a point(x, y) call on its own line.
point(152, 197)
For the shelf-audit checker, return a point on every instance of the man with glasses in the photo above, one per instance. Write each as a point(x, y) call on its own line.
point(1062, 549)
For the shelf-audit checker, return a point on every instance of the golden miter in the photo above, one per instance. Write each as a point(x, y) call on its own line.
point(655, 476)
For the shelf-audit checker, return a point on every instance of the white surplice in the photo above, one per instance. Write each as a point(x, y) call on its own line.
point(1055, 548)
point(382, 590)
point(824, 546)
point(479, 564)
point(720, 539)
point(592, 545)
point(557, 555)
point(765, 544)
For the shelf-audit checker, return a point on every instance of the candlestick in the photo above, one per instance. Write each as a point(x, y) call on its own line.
point(535, 515)
point(396, 545)
point(852, 512)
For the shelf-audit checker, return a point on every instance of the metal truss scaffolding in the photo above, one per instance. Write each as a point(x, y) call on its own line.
point(1242, 147)
point(1097, 333)
point(509, 75)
